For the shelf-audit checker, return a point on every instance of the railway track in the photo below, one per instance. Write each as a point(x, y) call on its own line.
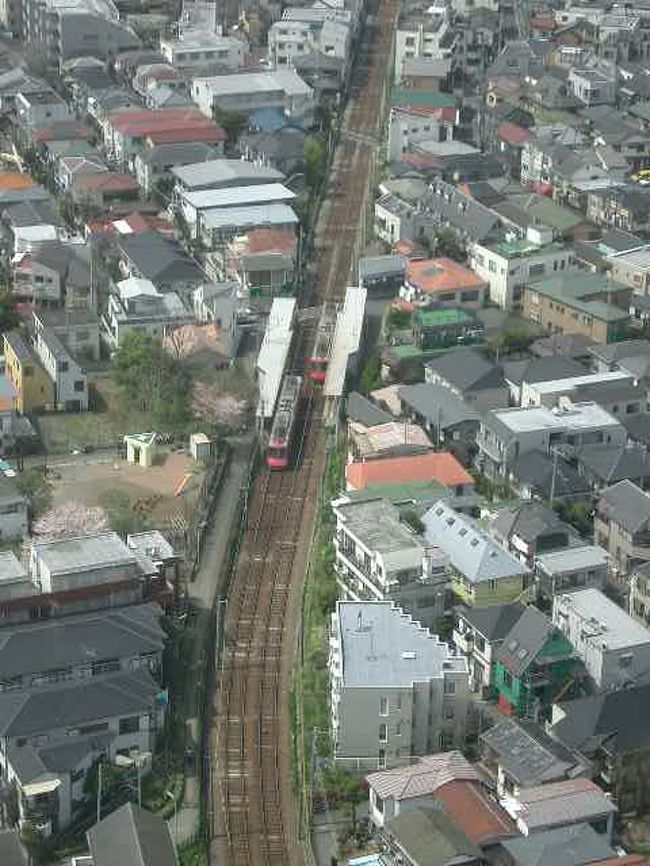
point(254, 819)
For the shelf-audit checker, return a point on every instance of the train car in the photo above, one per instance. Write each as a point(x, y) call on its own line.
point(278, 450)
point(316, 360)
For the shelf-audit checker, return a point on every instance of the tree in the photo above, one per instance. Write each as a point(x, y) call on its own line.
point(512, 341)
point(449, 244)
point(233, 123)
point(315, 159)
point(371, 374)
point(343, 788)
point(8, 316)
point(150, 378)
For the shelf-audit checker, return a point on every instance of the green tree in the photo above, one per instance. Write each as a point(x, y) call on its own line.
point(371, 374)
point(233, 123)
point(8, 316)
point(343, 788)
point(122, 517)
point(149, 377)
point(34, 486)
point(512, 341)
point(448, 243)
point(315, 163)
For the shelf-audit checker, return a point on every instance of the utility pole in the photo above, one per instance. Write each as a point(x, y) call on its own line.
point(99, 792)
point(552, 497)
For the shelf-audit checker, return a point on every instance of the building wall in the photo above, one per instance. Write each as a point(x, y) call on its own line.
point(34, 388)
point(621, 547)
point(507, 276)
point(583, 578)
point(14, 519)
point(488, 592)
point(70, 382)
point(638, 278)
point(75, 579)
point(561, 318)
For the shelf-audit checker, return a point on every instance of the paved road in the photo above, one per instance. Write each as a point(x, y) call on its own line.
point(202, 591)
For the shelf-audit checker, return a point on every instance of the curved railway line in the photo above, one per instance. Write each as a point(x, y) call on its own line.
point(254, 817)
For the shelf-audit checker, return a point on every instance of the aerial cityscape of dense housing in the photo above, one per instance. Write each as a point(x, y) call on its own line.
point(324, 430)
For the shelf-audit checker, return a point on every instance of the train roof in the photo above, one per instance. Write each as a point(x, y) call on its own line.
point(347, 338)
point(286, 408)
point(273, 354)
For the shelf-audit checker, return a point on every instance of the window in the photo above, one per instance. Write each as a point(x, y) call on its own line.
point(383, 733)
point(79, 385)
point(379, 804)
point(383, 706)
point(507, 679)
point(625, 661)
point(448, 712)
point(492, 266)
point(381, 759)
point(130, 725)
point(63, 366)
point(450, 687)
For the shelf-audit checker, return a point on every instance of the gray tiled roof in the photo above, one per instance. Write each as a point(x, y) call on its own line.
point(524, 641)
point(29, 713)
point(564, 846)
point(467, 370)
point(428, 836)
point(364, 411)
point(131, 836)
point(609, 465)
point(61, 642)
point(160, 259)
point(528, 520)
point(493, 621)
point(437, 405)
point(541, 369)
point(627, 505)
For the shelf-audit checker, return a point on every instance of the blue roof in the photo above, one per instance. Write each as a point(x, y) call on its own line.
point(267, 119)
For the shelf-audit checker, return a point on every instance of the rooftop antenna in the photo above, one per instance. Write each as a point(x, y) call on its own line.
point(360, 621)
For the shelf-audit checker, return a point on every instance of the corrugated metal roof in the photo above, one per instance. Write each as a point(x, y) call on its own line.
point(275, 214)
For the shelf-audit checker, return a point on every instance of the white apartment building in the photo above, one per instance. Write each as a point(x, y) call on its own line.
point(614, 647)
point(305, 31)
point(70, 381)
point(246, 91)
point(396, 690)
point(379, 558)
point(423, 33)
point(507, 266)
point(407, 127)
point(194, 49)
point(505, 434)
point(137, 305)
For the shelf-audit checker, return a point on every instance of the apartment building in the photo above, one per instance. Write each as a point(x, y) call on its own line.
point(137, 305)
point(194, 49)
point(614, 648)
point(69, 378)
point(282, 88)
point(32, 385)
point(379, 558)
point(506, 434)
point(622, 527)
point(396, 690)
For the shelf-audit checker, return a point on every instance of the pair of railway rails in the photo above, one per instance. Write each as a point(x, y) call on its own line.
point(254, 815)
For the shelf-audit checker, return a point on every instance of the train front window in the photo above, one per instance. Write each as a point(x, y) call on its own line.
point(276, 452)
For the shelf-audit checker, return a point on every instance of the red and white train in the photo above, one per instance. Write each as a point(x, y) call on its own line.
point(279, 448)
point(319, 354)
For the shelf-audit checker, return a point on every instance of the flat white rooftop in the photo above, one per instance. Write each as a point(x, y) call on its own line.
point(531, 418)
point(347, 338)
point(572, 559)
point(257, 215)
point(604, 619)
point(552, 386)
point(237, 196)
point(273, 354)
point(256, 82)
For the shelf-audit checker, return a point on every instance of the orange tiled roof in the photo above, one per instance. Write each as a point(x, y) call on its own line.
point(15, 180)
point(439, 466)
point(479, 817)
point(440, 275)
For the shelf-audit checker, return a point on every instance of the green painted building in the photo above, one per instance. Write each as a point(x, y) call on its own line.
point(533, 666)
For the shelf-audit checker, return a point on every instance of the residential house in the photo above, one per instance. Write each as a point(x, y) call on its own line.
point(609, 390)
point(530, 529)
point(104, 189)
point(77, 329)
point(639, 604)
point(573, 845)
point(399, 790)
point(622, 527)
point(623, 355)
point(154, 165)
point(540, 474)
point(410, 126)
point(508, 266)
point(280, 88)
point(14, 511)
point(475, 811)
point(627, 209)
point(34, 388)
point(15, 581)
point(414, 837)
point(69, 379)
point(396, 690)
point(443, 281)
point(440, 466)
point(439, 327)
point(151, 256)
point(218, 304)
point(106, 716)
point(588, 304)
point(521, 374)
point(131, 836)
point(614, 648)
point(506, 435)
point(309, 31)
point(282, 149)
point(560, 571)
point(40, 108)
point(195, 49)
point(378, 557)
point(571, 346)
point(533, 665)
point(470, 376)
point(632, 267)
point(55, 274)
point(68, 167)
point(382, 275)
point(221, 174)
point(127, 132)
point(262, 260)
point(381, 441)
point(592, 86)
point(602, 466)
point(450, 421)
point(137, 305)
point(478, 632)
point(605, 728)
point(482, 572)
point(519, 754)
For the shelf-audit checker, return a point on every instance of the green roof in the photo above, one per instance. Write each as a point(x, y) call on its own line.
point(640, 109)
point(422, 98)
point(403, 353)
point(574, 289)
point(554, 215)
point(417, 491)
point(521, 247)
point(442, 316)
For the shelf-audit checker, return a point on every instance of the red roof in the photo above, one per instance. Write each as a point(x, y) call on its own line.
point(63, 130)
point(479, 817)
point(513, 134)
point(106, 181)
point(627, 860)
point(409, 249)
point(211, 133)
point(432, 276)
point(271, 240)
point(438, 466)
point(162, 120)
point(419, 160)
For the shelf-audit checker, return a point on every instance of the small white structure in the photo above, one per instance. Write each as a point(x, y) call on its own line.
point(140, 449)
point(200, 446)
